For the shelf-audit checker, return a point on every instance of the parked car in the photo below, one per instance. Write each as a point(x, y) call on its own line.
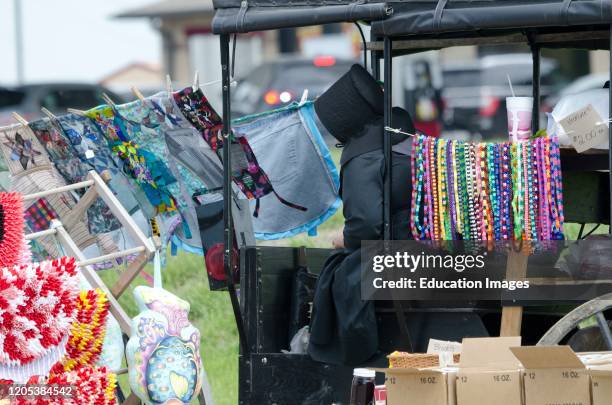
point(278, 83)
point(474, 94)
point(584, 83)
point(27, 100)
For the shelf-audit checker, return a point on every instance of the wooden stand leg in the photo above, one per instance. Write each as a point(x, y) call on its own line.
point(79, 210)
point(512, 316)
point(96, 282)
point(128, 275)
point(132, 399)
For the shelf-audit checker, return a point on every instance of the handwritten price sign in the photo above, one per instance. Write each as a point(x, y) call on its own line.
point(585, 128)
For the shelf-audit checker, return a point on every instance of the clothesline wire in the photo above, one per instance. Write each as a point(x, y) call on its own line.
point(398, 131)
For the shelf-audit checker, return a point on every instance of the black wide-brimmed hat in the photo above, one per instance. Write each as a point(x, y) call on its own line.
point(349, 104)
point(371, 136)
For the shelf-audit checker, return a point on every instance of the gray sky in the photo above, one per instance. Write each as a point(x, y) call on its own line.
point(74, 39)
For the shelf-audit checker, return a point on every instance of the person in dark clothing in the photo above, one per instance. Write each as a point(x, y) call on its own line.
point(343, 326)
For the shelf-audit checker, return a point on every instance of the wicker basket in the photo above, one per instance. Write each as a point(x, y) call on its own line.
point(417, 360)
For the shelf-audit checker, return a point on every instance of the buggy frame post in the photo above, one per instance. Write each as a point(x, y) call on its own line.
point(535, 113)
point(228, 264)
point(375, 62)
point(610, 128)
point(388, 74)
point(387, 225)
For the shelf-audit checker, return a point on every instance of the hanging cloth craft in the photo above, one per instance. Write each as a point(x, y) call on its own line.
point(246, 172)
point(163, 353)
point(39, 175)
point(149, 173)
point(146, 125)
point(190, 154)
point(92, 148)
point(186, 145)
point(23, 151)
point(291, 149)
point(100, 219)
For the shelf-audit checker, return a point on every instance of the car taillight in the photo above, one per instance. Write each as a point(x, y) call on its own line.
point(324, 61)
point(490, 106)
point(272, 97)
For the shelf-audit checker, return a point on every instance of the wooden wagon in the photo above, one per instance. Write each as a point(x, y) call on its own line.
point(267, 375)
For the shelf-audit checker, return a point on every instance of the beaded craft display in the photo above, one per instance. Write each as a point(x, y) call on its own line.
point(486, 191)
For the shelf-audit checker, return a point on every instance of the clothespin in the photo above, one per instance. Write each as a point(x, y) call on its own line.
point(108, 100)
point(304, 98)
point(169, 88)
point(137, 93)
point(48, 113)
point(398, 131)
point(196, 81)
point(77, 112)
point(20, 119)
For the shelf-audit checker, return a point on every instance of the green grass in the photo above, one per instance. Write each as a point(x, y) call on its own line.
point(211, 313)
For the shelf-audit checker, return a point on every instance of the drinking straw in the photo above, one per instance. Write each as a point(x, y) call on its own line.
point(510, 83)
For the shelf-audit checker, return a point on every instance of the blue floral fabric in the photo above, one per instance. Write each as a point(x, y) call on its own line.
point(91, 147)
point(147, 125)
point(74, 170)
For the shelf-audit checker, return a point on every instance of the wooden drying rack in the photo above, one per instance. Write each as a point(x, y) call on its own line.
point(96, 187)
point(145, 249)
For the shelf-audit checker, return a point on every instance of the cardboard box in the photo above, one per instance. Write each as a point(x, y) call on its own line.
point(553, 375)
point(488, 369)
point(599, 366)
point(413, 386)
point(601, 384)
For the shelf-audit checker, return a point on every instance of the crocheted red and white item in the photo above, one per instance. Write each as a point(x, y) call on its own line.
point(87, 385)
point(37, 308)
point(11, 229)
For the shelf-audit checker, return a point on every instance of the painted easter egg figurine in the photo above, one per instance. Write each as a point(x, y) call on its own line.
point(163, 353)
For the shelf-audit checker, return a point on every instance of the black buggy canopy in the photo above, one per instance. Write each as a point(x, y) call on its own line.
point(235, 16)
point(431, 19)
point(562, 23)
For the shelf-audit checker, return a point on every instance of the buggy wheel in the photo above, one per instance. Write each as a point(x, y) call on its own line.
point(593, 338)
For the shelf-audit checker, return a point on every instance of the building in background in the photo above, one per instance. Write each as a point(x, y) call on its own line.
point(189, 45)
point(146, 77)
